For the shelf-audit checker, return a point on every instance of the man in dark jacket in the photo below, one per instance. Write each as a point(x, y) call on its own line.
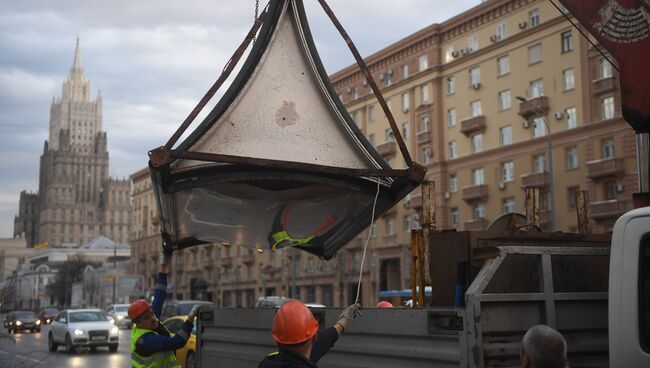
point(300, 342)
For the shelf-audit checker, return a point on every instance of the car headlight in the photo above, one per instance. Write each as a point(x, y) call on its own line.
point(48, 320)
point(120, 316)
point(18, 323)
point(112, 320)
point(115, 330)
point(38, 322)
point(78, 332)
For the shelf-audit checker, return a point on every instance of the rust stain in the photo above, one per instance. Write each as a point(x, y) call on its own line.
point(286, 114)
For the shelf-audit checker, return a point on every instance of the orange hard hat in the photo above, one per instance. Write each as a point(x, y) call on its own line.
point(137, 308)
point(293, 323)
point(384, 304)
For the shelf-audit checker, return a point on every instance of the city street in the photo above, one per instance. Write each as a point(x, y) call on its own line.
point(30, 350)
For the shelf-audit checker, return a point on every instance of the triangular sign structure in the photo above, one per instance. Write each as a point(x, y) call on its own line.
point(278, 162)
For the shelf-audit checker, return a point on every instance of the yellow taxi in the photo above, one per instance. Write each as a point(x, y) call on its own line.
point(186, 355)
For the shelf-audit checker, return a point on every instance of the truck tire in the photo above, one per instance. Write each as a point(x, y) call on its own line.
point(112, 348)
point(190, 360)
point(51, 345)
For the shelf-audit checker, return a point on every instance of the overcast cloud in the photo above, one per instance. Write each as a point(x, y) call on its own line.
point(152, 61)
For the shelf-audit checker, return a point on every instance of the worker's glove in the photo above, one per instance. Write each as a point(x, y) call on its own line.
point(345, 319)
point(166, 257)
point(193, 313)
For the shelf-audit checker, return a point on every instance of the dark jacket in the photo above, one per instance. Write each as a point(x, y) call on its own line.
point(284, 358)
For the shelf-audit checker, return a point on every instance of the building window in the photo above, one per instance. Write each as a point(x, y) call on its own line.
point(408, 225)
point(505, 135)
point(423, 63)
point(479, 211)
point(503, 65)
point(609, 189)
point(508, 169)
point(389, 135)
point(473, 43)
point(453, 183)
point(571, 158)
point(505, 100)
point(502, 31)
point(405, 130)
point(371, 138)
point(355, 117)
point(539, 164)
point(451, 84)
point(426, 155)
point(571, 118)
point(373, 230)
point(539, 128)
point(537, 88)
point(451, 117)
point(568, 77)
point(453, 150)
point(424, 94)
point(371, 114)
point(533, 17)
point(405, 102)
point(390, 226)
point(509, 205)
point(454, 215)
point(572, 193)
point(424, 124)
point(535, 54)
point(477, 177)
point(608, 107)
point(354, 93)
point(404, 71)
point(544, 201)
point(389, 103)
point(608, 148)
point(477, 143)
point(474, 76)
point(475, 108)
point(388, 77)
point(605, 68)
point(567, 41)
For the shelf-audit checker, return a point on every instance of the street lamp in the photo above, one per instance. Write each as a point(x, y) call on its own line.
point(549, 153)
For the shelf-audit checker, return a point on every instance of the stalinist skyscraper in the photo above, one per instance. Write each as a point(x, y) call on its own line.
point(77, 200)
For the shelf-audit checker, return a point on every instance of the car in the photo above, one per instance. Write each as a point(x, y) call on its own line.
point(173, 308)
point(270, 301)
point(46, 315)
point(75, 328)
point(22, 321)
point(120, 315)
point(186, 355)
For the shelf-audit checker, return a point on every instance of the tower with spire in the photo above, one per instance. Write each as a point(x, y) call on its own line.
point(77, 200)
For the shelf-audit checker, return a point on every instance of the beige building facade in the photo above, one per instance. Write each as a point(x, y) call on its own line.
point(475, 98)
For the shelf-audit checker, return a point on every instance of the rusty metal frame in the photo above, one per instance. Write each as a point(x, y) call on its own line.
point(165, 155)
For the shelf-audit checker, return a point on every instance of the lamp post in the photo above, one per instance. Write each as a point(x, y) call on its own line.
point(551, 166)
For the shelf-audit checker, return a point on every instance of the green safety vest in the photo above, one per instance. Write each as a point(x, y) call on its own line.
point(163, 359)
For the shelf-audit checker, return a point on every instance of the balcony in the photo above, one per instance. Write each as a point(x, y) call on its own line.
point(602, 85)
point(605, 167)
point(248, 258)
point(423, 137)
point(537, 106)
point(387, 148)
point(475, 192)
point(226, 261)
point(476, 225)
point(535, 180)
point(606, 209)
point(207, 263)
point(473, 125)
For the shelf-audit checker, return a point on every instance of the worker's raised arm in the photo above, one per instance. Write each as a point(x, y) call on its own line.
point(160, 289)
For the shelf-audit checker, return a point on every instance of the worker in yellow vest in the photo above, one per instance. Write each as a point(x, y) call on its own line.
point(151, 343)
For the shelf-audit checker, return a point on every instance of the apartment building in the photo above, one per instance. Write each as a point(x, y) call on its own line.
point(478, 99)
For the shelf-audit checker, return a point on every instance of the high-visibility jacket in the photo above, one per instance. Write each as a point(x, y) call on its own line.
point(163, 359)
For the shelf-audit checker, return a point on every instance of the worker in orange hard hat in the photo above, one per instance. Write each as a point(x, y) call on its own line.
point(300, 342)
point(384, 304)
point(151, 343)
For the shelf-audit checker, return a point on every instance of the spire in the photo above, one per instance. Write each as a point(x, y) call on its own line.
point(76, 63)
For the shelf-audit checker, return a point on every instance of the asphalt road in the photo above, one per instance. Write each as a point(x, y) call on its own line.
point(30, 350)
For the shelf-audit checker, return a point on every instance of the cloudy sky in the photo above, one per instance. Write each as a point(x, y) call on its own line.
point(152, 61)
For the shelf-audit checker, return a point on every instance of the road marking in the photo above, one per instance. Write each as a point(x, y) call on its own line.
point(4, 352)
point(24, 357)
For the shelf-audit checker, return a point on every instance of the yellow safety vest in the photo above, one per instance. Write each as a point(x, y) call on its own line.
point(163, 359)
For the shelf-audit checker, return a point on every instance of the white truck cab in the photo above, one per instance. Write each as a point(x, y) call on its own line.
point(629, 291)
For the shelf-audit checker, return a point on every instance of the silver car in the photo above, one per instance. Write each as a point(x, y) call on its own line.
point(120, 315)
point(73, 328)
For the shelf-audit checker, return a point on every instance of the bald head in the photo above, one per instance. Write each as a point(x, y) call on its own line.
point(543, 347)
